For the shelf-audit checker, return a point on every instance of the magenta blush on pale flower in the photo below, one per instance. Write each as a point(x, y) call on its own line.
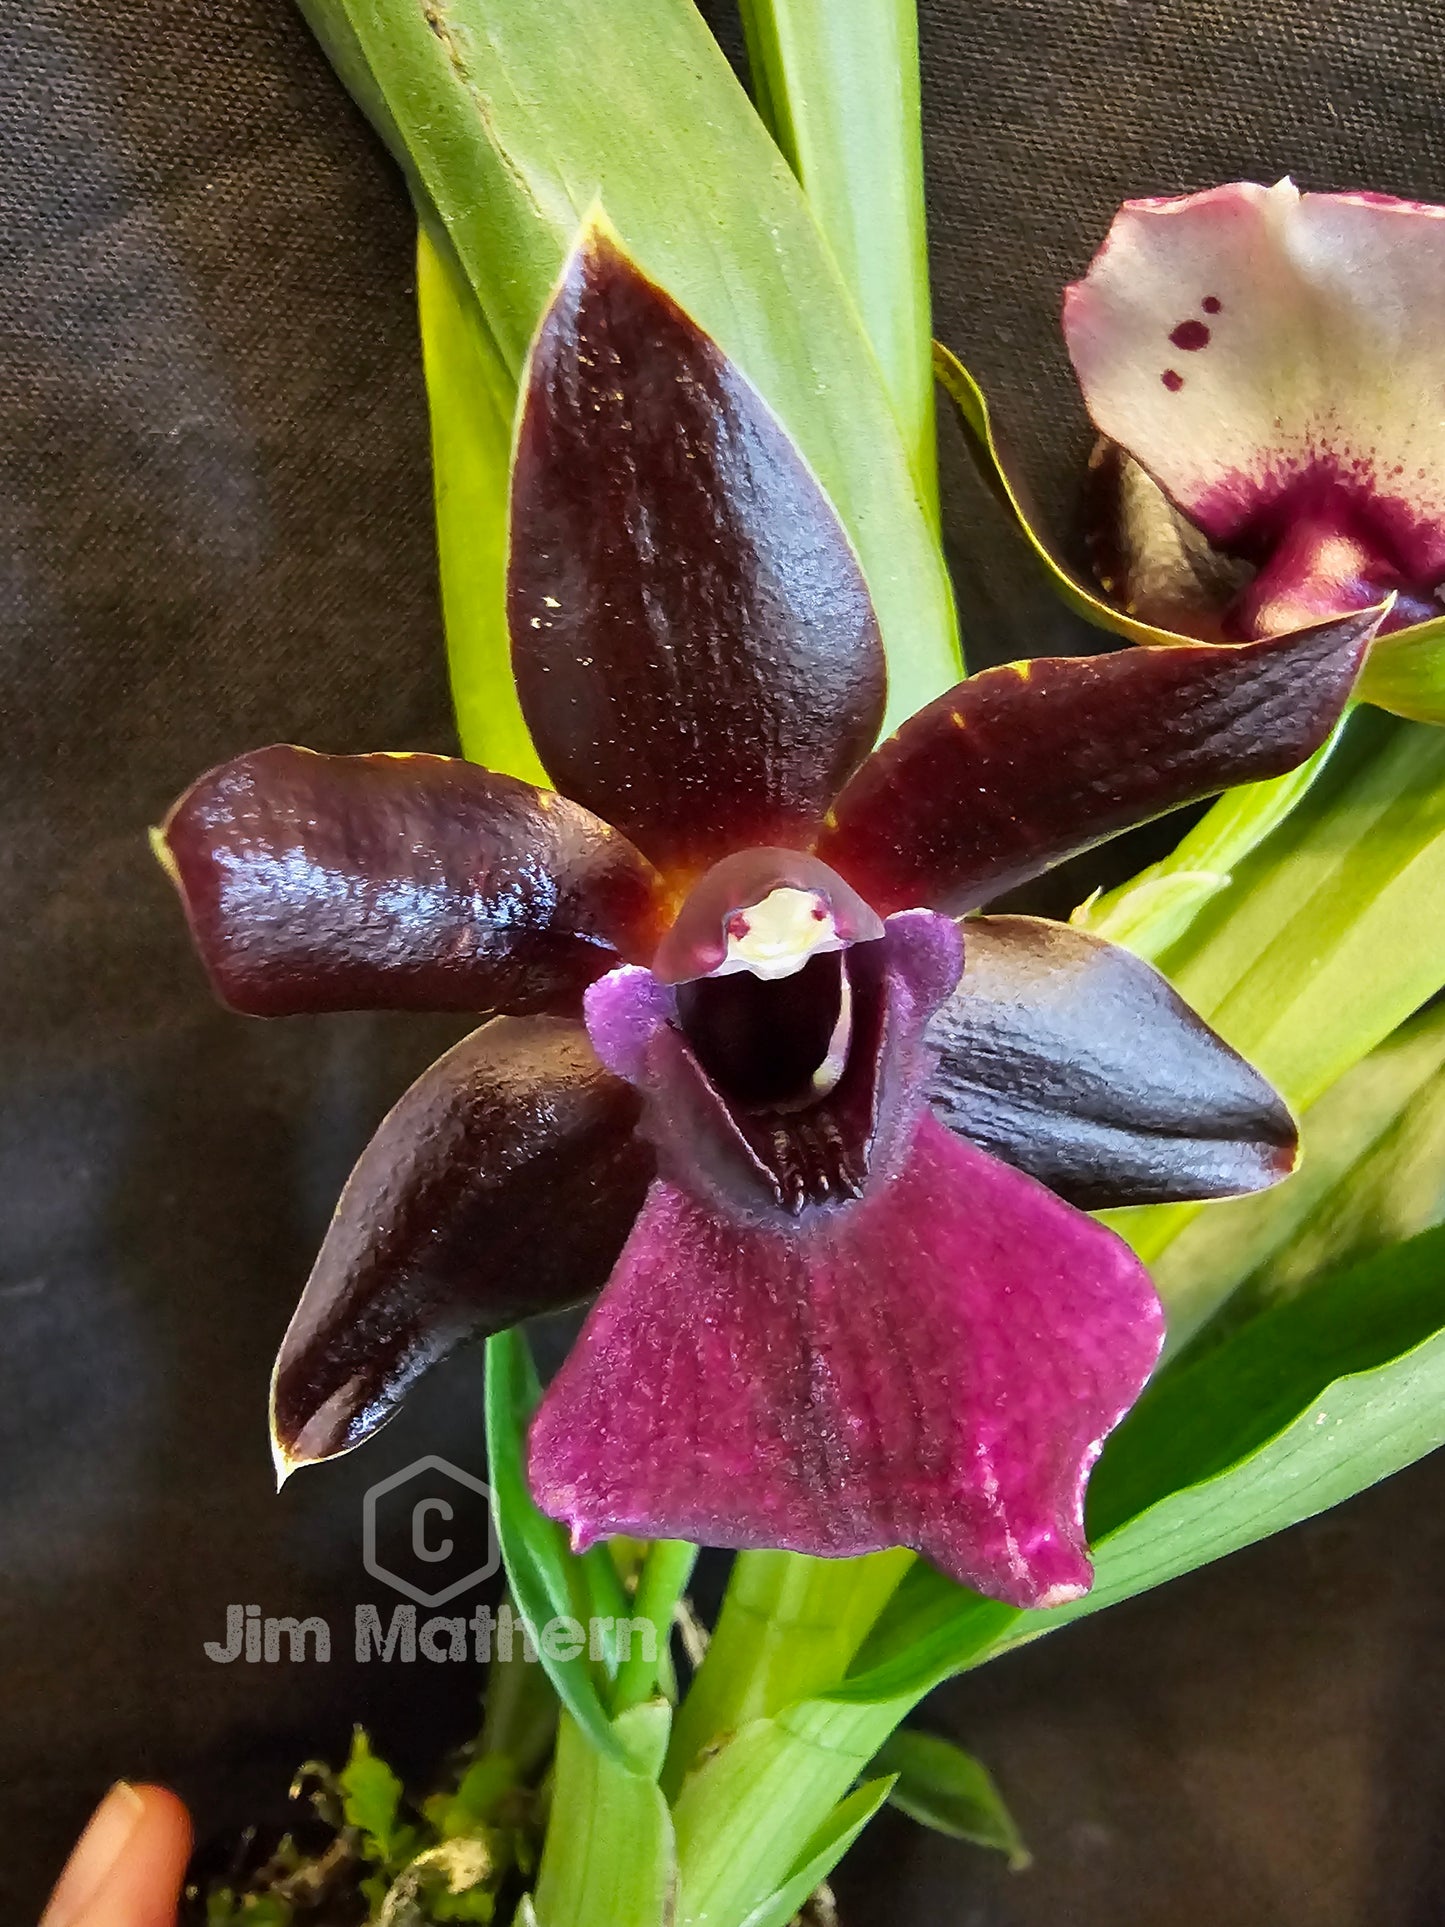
point(1272, 361)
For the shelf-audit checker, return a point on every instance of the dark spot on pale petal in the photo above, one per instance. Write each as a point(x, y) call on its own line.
point(1172, 380)
point(1190, 335)
point(1211, 304)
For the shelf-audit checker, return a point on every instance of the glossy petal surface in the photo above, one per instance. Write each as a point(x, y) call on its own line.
point(399, 882)
point(933, 1367)
point(502, 1184)
point(1264, 355)
point(695, 648)
point(1075, 1061)
point(1022, 766)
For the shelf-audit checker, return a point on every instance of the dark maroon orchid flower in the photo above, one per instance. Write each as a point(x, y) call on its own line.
point(1265, 368)
point(810, 1137)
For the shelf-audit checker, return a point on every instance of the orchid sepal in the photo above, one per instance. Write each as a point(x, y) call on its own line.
point(1072, 1059)
point(655, 497)
point(501, 1184)
point(399, 882)
point(1024, 765)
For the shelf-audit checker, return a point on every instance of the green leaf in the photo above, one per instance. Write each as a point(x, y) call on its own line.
point(371, 1797)
point(666, 1568)
point(1331, 935)
point(838, 87)
point(615, 1867)
point(1372, 1173)
point(825, 1848)
point(944, 1788)
point(790, 1625)
point(771, 1784)
point(1306, 1406)
point(509, 114)
point(486, 1782)
point(547, 1580)
point(472, 399)
point(1328, 935)
point(1406, 672)
point(1154, 910)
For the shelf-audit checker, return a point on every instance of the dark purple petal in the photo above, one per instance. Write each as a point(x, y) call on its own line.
point(1075, 1061)
point(935, 1366)
point(1022, 766)
point(503, 1184)
point(724, 1126)
point(402, 883)
point(696, 652)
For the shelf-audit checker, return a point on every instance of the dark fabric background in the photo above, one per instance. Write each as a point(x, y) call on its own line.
point(214, 488)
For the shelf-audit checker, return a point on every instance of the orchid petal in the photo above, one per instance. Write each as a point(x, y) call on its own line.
point(399, 882)
point(935, 1366)
point(695, 648)
point(502, 1184)
point(1072, 1059)
point(1264, 354)
point(1022, 766)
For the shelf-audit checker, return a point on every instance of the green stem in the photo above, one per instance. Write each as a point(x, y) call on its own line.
point(664, 1576)
point(520, 1713)
point(790, 1626)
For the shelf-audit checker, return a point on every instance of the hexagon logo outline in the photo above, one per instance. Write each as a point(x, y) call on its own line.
point(371, 1559)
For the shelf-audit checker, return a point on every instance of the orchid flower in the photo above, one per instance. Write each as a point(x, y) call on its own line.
point(819, 1145)
point(1259, 364)
point(1265, 368)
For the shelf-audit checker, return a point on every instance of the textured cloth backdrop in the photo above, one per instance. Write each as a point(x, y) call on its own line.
point(215, 532)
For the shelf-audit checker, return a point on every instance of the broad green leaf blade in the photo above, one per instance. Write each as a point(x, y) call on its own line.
point(1406, 672)
point(1154, 910)
point(838, 86)
point(825, 1848)
point(615, 1867)
point(772, 1784)
point(471, 397)
point(510, 113)
point(942, 1787)
point(1330, 933)
point(547, 1580)
point(1372, 1173)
